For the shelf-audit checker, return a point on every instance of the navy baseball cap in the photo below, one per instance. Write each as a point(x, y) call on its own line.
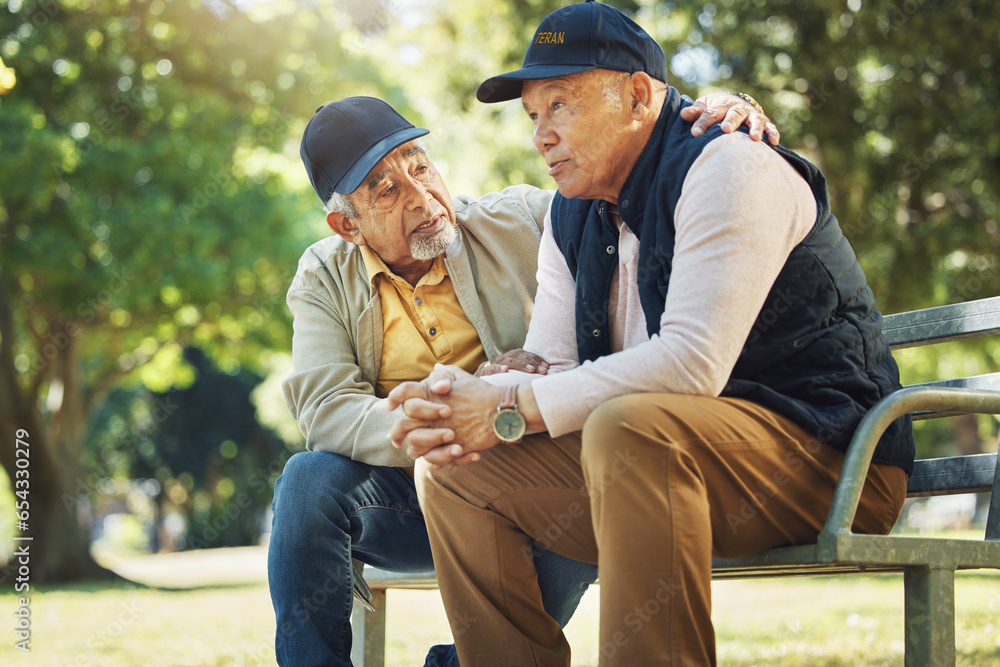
point(345, 140)
point(577, 38)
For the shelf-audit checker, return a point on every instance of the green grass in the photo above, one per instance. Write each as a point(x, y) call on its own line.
point(806, 621)
point(100, 626)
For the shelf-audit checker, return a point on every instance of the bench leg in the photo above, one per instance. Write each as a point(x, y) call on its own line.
point(993, 518)
point(368, 630)
point(930, 616)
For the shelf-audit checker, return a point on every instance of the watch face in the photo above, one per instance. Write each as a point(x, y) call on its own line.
point(509, 425)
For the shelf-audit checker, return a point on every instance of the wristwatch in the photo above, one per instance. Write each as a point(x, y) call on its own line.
point(508, 422)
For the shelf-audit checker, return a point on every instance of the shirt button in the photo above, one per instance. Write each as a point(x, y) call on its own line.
point(433, 331)
point(626, 203)
point(597, 333)
point(611, 250)
point(420, 301)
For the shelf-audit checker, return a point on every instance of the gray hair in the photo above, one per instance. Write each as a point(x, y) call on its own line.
point(339, 203)
point(611, 90)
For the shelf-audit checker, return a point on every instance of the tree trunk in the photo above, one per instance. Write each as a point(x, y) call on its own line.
point(56, 492)
point(59, 546)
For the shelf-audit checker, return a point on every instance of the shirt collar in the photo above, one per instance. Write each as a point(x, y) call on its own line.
point(375, 267)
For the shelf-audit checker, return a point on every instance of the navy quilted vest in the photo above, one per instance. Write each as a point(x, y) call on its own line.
point(815, 354)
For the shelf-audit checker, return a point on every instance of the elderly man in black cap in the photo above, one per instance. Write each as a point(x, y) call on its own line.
point(710, 347)
point(411, 278)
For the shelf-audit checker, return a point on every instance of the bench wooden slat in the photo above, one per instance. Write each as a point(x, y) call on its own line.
point(955, 474)
point(943, 323)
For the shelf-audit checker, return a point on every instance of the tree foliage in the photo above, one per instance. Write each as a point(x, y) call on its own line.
point(152, 197)
point(214, 468)
point(145, 207)
point(896, 102)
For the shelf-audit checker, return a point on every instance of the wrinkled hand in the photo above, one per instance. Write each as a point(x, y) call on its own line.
point(517, 360)
point(448, 417)
point(732, 110)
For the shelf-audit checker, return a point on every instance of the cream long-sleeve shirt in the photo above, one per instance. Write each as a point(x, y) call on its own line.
point(742, 209)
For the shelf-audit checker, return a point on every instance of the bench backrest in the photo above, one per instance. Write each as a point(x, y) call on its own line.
point(955, 474)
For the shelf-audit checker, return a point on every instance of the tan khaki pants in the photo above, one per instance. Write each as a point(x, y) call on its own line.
point(653, 487)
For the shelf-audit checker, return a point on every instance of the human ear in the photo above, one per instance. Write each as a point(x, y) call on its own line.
point(345, 227)
point(640, 90)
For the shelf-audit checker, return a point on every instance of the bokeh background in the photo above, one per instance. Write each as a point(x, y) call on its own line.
point(153, 209)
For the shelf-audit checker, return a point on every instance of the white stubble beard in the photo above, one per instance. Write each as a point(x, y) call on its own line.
point(424, 248)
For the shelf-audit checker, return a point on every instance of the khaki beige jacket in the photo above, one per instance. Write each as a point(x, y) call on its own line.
point(337, 329)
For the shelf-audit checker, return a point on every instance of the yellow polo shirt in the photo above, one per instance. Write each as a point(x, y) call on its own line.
point(423, 324)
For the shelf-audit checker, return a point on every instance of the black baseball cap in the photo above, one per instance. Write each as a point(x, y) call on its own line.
point(345, 140)
point(577, 38)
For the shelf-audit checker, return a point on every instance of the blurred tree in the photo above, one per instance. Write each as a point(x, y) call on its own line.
point(152, 196)
point(211, 460)
point(895, 101)
point(145, 206)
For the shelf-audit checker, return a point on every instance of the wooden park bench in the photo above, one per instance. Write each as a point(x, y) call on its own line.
point(928, 563)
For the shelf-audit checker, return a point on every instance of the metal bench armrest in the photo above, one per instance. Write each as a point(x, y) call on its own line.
point(866, 436)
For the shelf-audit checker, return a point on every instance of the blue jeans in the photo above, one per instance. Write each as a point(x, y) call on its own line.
point(329, 509)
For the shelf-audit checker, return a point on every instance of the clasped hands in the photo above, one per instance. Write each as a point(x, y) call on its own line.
point(449, 415)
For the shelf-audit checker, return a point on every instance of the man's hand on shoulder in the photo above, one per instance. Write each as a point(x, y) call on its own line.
point(733, 110)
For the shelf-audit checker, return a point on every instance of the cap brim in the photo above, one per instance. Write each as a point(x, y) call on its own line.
point(356, 174)
point(507, 86)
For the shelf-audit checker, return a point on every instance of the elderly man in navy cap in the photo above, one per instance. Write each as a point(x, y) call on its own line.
point(711, 341)
point(412, 277)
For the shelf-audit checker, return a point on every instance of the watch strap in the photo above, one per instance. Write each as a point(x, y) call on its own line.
point(508, 399)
